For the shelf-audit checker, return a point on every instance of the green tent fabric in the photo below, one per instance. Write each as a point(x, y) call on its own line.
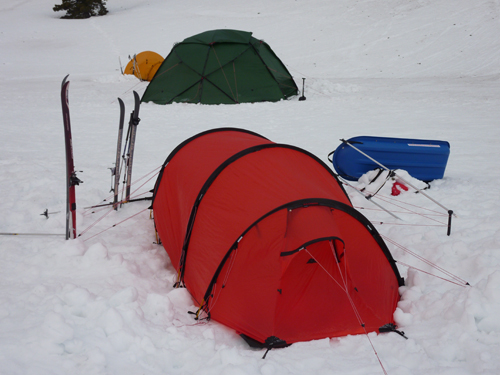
point(220, 67)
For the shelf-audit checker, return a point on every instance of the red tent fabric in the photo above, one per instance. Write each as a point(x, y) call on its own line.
point(267, 242)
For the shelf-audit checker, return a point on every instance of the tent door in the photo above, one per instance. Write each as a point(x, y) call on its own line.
point(312, 292)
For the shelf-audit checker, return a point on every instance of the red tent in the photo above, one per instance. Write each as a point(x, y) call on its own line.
point(267, 242)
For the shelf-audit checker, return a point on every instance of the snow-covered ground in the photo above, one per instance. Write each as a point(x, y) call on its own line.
point(104, 303)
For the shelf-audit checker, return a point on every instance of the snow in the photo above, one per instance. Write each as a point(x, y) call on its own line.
point(104, 303)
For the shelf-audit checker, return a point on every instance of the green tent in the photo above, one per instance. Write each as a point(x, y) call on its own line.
point(220, 67)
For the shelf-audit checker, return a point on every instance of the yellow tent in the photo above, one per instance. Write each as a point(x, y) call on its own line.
point(144, 65)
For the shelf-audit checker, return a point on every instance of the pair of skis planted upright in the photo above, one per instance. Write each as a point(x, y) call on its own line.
point(128, 151)
point(128, 156)
point(71, 179)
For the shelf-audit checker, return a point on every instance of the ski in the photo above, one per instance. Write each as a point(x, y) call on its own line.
point(71, 179)
point(117, 168)
point(134, 121)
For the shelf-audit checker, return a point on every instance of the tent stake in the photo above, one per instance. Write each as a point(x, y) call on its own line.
point(401, 178)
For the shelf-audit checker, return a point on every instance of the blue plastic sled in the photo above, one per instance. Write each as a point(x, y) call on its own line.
point(423, 159)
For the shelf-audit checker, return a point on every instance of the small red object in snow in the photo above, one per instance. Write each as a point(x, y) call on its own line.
point(396, 188)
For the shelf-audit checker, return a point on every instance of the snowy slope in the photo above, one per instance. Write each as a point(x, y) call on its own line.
point(104, 303)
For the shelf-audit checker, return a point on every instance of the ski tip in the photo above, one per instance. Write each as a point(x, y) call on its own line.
point(64, 80)
point(122, 105)
point(137, 101)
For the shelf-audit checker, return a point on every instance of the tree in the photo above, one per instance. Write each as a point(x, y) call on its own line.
point(82, 8)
